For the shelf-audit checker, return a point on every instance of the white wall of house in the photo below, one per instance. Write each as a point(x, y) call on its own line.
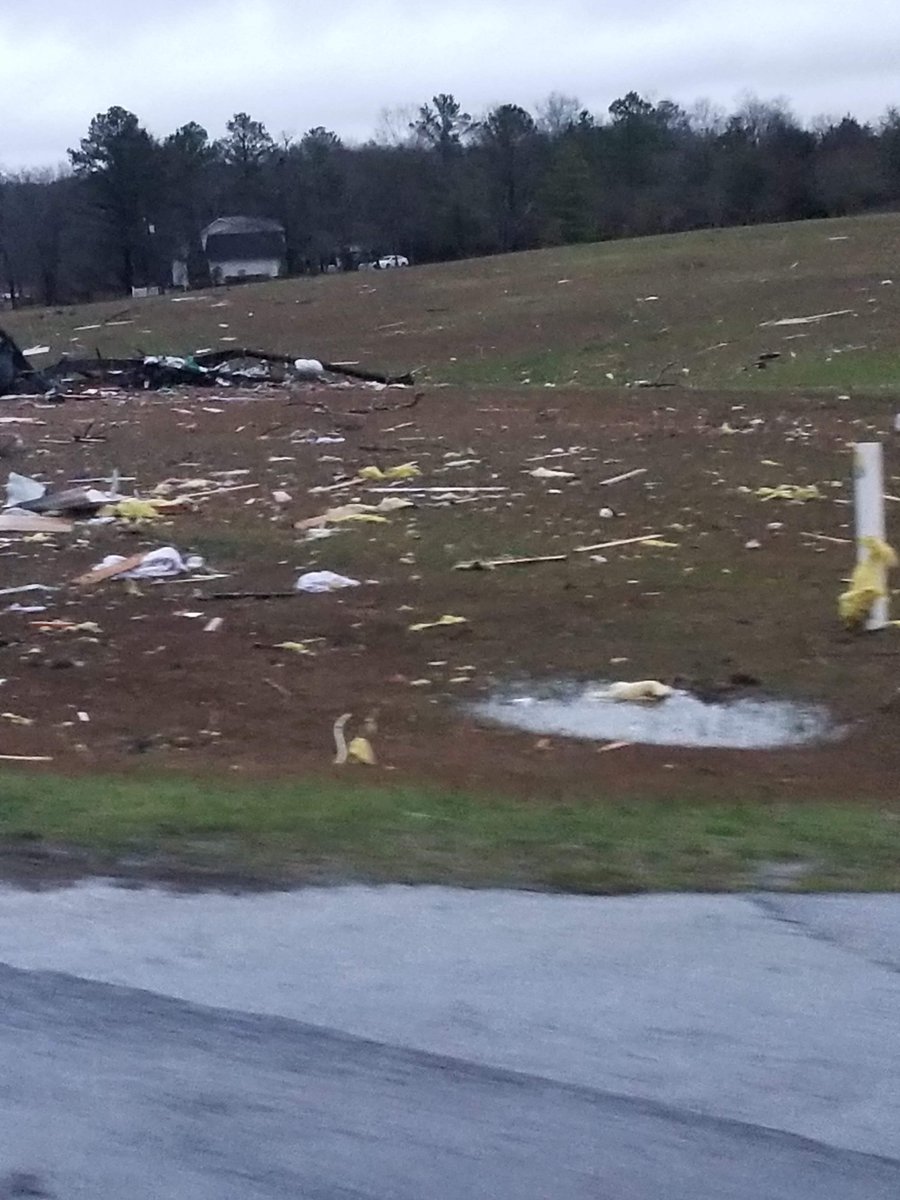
point(270, 267)
point(180, 275)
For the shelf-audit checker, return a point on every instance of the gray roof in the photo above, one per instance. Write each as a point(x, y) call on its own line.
point(241, 228)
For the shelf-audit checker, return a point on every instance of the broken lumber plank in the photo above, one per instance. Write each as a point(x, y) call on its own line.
point(647, 537)
point(19, 521)
point(98, 574)
point(621, 478)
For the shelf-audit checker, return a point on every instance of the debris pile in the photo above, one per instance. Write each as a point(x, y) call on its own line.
point(152, 372)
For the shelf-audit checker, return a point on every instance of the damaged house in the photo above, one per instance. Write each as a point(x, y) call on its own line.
point(242, 249)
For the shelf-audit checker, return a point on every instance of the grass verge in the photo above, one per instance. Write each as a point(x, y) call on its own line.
point(328, 831)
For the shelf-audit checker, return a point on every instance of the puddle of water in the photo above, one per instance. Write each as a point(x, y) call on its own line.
point(575, 710)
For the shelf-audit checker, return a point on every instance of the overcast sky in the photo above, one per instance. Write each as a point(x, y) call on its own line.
point(297, 63)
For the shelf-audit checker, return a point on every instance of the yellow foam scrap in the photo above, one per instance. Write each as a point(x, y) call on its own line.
point(867, 583)
point(133, 509)
point(796, 492)
point(447, 619)
point(392, 474)
point(360, 751)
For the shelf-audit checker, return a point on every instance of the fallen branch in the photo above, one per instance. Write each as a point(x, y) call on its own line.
point(824, 537)
point(658, 382)
point(488, 564)
point(249, 596)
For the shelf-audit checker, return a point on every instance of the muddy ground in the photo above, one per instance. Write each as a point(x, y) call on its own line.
point(704, 610)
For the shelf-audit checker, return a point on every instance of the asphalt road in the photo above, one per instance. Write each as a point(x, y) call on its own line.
point(109, 1093)
point(435, 1044)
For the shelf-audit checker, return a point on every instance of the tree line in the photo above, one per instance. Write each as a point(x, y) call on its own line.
point(434, 184)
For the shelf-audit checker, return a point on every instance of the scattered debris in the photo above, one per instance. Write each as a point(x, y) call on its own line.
point(17, 375)
point(22, 492)
point(324, 581)
point(15, 719)
point(550, 473)
point(60, 626)
point(660, 381)
point(824, 537)
point(356, 512)
point(621, 478)
point(164, 563)
point(634, 541)
point(867, 583)
point(359, 750)
point(132, 509)
point(18, 520)
point(813, 320)
point(27, 587)
point(247, 595)
point(488, 564)
point(443, 491)
point(210, 368)
point(795, 493)
point(308, 368)
point(295, 648)
point(440, 623)
point(391, 475)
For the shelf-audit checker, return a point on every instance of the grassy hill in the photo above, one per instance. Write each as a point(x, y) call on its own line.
point(696, 306)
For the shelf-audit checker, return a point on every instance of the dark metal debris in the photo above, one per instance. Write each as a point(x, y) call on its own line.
point(151, 372)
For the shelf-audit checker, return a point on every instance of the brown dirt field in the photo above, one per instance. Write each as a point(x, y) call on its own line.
point(157, 689)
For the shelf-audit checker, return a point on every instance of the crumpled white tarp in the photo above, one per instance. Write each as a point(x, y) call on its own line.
point(163, 563)
point(324, 581)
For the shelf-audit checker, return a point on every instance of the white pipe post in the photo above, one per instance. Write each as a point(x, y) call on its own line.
point(868, 496)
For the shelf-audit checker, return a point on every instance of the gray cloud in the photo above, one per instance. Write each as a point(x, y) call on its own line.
point(294, 64)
